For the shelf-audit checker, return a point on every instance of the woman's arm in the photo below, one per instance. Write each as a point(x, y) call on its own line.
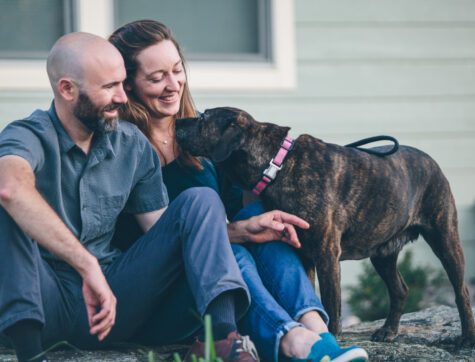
point(272, 225)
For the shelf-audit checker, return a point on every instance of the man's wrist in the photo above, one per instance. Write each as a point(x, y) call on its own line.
point(86, 264)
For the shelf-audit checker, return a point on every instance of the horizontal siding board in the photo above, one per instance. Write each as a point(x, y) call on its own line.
point(366, 117)
point(385, 80)
point(408, 43)
point(16, 105)
point(385, 11)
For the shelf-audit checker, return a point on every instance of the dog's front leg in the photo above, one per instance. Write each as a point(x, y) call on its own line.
point(328, 272)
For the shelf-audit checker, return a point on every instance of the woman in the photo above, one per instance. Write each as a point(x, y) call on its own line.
point(285, 317)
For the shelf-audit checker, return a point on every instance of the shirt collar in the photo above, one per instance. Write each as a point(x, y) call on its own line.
point(65, 141)
point(101, 145)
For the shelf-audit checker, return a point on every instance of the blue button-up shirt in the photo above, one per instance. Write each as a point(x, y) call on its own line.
point(88, 191)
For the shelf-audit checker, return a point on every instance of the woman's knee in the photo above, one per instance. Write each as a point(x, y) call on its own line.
point(249, 211)
point(275, 250)
point(243, 256)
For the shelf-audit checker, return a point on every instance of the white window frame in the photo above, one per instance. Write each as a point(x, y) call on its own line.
point(97, 17)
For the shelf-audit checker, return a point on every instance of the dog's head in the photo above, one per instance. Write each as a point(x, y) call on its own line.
point(215, 134)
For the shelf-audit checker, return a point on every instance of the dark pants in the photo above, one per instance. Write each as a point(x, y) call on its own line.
point(179, 266)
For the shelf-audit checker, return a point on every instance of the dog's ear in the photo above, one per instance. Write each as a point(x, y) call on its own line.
point(232, 138)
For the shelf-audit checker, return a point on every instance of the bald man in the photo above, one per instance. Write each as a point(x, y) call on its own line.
point(65, 175)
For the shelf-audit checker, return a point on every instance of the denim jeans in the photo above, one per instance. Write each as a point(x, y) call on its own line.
point(179, 266)
point(280, 290)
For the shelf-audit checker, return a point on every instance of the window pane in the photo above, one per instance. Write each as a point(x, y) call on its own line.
point(28, 28)
point(206, 29)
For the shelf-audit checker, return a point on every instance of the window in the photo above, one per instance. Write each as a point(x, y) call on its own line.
point(238, 31)
point(250, 46)
point(42, 22)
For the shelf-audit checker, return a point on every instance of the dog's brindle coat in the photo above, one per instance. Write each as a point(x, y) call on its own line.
point(358, 205)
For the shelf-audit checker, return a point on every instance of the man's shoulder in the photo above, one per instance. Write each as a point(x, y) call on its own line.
point(37, 122)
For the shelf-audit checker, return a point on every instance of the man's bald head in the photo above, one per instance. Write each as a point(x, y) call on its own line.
point(70, 55)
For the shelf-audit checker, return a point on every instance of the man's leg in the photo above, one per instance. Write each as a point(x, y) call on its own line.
point(33, 312)
point(191, 238)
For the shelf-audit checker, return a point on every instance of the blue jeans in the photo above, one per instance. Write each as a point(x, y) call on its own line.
point(280, 290)
point(161, 282)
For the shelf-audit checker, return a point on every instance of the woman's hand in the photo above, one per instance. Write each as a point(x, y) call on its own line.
point(272, 225)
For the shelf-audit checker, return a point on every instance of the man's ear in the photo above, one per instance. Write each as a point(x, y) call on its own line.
point(231, 140)
point(67, 89)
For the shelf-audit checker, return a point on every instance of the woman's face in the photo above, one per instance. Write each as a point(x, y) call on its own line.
point(160, 79)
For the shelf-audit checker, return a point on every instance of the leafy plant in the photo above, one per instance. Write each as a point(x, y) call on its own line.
point(210, 351)
point(369, 299)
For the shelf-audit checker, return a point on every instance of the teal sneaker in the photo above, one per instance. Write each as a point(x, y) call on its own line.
point(327, 349)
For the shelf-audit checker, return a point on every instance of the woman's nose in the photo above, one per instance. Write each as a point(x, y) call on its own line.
point(174, 82)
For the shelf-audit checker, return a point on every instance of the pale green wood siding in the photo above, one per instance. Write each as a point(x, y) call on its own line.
point(405, 68)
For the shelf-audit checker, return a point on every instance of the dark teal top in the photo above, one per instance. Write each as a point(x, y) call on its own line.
point(178, 178)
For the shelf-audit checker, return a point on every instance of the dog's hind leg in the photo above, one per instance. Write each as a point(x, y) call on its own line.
point(397, 288)
point(444, 240)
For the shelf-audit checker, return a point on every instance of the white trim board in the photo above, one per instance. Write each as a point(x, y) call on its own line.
point(96, 17)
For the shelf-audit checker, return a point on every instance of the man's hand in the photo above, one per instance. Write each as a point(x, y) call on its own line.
point(100, 303)
point(20, 198)
point(272, 225)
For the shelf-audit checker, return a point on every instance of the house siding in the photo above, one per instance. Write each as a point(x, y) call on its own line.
point(403, 68)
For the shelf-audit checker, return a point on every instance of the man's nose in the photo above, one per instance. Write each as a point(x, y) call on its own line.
point(120, 96)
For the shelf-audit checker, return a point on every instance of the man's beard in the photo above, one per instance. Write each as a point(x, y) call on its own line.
point(92, 116)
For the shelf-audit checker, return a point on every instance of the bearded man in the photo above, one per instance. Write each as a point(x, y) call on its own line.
point(65, 175)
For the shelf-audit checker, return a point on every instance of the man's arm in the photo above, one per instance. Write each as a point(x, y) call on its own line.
point(272, 225)
point(20, 198)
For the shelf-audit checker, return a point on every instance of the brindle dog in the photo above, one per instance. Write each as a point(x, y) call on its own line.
point(359, 205)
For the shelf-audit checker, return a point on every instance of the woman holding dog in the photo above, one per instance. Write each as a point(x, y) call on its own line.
point(285, 317)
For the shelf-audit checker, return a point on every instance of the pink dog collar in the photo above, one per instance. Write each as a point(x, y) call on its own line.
point(275, 165)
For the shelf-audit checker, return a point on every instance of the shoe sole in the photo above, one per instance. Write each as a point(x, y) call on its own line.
point(353, 355)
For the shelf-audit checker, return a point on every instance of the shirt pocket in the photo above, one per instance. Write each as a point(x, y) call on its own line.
point(110, 207)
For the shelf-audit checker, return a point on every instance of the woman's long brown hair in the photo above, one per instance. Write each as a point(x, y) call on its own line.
point(130, 40)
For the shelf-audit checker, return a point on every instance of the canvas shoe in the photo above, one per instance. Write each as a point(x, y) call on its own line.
point(235, 348)
point(327, 349)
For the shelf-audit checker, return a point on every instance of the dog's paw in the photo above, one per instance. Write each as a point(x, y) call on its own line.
point(384, 334)
point(467, 341)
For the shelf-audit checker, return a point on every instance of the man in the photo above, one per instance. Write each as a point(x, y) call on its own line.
point(65, 175)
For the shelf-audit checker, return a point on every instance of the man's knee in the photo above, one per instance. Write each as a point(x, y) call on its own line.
point(199, 193)
point(200, 197)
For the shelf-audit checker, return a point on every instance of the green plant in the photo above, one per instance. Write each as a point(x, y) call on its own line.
point(210, 352)
point(369, 299)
